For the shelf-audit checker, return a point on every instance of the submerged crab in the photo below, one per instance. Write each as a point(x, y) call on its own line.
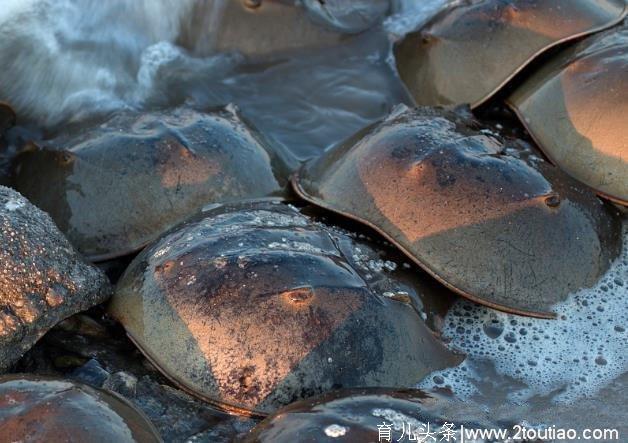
point(262, 27)
point(356, 415)
point(471, 50)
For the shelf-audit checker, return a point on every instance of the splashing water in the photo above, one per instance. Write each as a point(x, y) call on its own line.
point(73, 60)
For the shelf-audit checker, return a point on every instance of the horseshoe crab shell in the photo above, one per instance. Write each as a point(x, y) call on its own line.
point(252, 306)
point(34, 408)
point(257, 28)
point(119, 186)
point(575, 108)
point(467, 53)
point(354, 415)
point(492, 227)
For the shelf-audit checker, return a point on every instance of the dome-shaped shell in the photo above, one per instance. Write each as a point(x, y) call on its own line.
point(357, 415)
point(252, 306)
point(468, 52)
point(575, 107)
point(118, 186)
point(495, 228)
point(41, 409)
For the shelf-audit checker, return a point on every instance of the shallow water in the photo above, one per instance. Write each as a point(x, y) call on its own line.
point(78, 60)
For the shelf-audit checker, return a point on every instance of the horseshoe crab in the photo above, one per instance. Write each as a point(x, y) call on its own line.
point(355, 415)
point(252, 306)
point(470, 51)
point(257, 28)
point(42, 279)
point(34, 408)
point(511, 233)
point(118, 186)
point(575, 108)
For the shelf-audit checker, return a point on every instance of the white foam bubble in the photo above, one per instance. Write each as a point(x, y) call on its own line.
point(335, 431)
point(574, 356)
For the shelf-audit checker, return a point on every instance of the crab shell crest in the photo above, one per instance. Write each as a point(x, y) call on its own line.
point(253, 306)
point(488, 225)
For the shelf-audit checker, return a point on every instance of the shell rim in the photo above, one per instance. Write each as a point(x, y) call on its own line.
point(304, 195)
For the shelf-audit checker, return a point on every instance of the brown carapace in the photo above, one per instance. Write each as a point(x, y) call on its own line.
point(38, 409)
point(508, 231)
point(116, 187)
point(576, 109)
point(470, 51)
point(252, 306)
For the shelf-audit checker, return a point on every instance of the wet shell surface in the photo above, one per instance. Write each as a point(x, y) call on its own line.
point(467, 53)
point(512, 233)
point(40, 409)
point(115, 188)
point(258, 28)
point(252, 306)
point(576, 106)
point(356, 415)
point(43, 279)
